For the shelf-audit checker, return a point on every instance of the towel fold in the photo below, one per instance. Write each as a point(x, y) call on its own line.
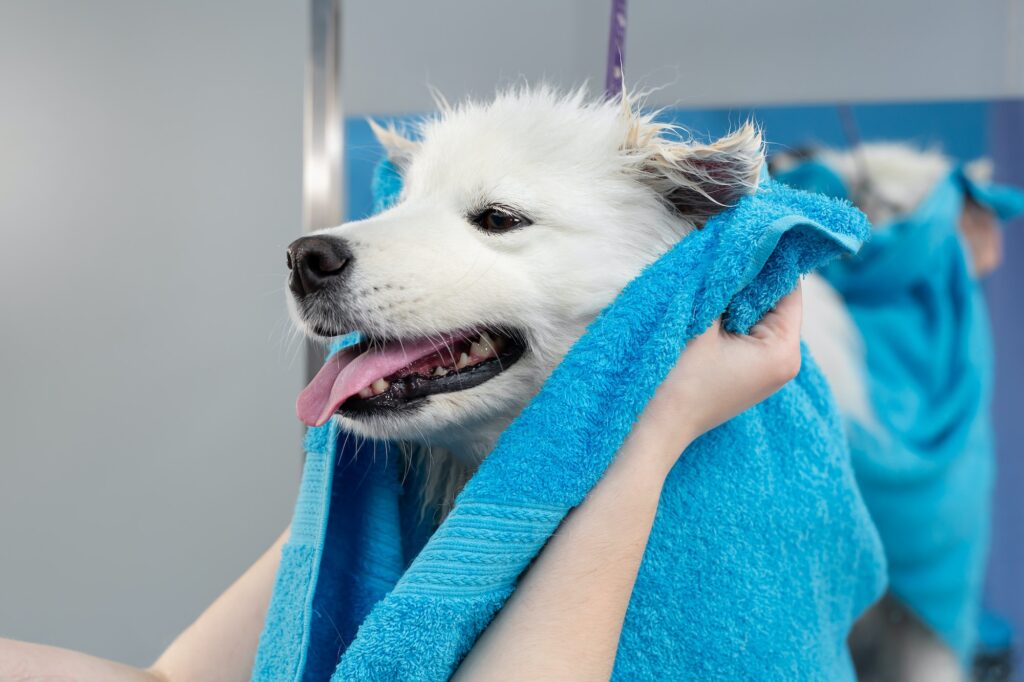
point(925, 467)
point(762, 553)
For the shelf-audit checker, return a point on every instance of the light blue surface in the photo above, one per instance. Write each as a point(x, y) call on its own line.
point(926, 467)
point(762, 553)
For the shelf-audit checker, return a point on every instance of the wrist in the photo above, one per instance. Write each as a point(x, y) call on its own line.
point(652, 450)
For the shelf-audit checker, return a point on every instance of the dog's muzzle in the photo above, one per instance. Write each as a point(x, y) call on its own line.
point(385, 376)
point(382, 374)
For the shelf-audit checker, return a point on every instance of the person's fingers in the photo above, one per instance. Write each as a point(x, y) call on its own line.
point(778, 335)
point(785, 319)
point(988, 245)
point(983, 237)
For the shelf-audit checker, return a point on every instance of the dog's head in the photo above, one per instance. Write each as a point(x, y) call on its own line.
point(889, 180)
point(518, 221)
point(885, 180)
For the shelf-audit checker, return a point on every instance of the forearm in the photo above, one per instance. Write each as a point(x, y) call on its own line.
point(24, 662)
point(565, 617)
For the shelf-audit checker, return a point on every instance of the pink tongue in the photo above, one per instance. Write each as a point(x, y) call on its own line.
point(345, 373)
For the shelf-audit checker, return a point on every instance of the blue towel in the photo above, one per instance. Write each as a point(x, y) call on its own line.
point(926, 467)
point(762, 553)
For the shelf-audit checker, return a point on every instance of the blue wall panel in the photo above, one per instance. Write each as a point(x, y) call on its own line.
point(1005, 290)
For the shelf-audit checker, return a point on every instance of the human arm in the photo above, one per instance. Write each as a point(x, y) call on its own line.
point(564, 619)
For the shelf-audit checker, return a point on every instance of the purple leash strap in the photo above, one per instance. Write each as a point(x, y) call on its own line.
point(616, 48)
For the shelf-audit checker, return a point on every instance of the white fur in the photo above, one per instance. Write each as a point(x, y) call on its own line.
point(837, 346)
point(597, 180)
point(888, 179)
point(885, 179)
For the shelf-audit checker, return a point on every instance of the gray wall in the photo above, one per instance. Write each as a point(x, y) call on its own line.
point(699, 53)
point(150, 162)
point(150, 180)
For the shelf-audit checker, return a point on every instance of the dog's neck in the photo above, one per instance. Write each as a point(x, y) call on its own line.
point(447, 467)
point(470, 443)
point(471, 450)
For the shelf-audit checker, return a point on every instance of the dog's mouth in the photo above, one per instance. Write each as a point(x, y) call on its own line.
point(385, 375)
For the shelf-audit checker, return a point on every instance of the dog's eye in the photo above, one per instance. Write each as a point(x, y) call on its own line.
point(498, 219)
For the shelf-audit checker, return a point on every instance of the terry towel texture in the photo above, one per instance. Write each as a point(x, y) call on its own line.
point(926, 467)
point(762, 553)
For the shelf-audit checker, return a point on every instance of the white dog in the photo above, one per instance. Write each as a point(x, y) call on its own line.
point(519, 220)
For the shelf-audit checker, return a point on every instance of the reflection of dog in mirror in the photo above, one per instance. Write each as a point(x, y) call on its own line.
point(886, 181)
point(889, 179)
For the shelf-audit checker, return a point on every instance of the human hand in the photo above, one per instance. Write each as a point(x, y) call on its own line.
point(719, 375)
point(984, 239)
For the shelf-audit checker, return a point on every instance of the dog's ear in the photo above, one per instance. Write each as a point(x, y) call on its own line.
point(700, 180)
point(399, 148)
point(787, 159)
point(981, 170)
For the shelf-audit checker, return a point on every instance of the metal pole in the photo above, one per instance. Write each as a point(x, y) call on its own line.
point(322, 170)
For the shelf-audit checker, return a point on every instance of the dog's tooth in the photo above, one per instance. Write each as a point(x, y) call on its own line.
point(493, 343)
point(487, 345)
point(440, 372)
point(379, 386)
point(366, 393)
point(463, 361)
point(479, 350)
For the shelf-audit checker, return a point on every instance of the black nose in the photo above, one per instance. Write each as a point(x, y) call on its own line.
point(316, 262)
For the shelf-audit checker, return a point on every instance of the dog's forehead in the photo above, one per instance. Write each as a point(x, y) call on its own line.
point(517, 144)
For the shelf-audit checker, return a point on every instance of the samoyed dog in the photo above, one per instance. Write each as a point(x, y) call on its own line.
point(519, 220)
